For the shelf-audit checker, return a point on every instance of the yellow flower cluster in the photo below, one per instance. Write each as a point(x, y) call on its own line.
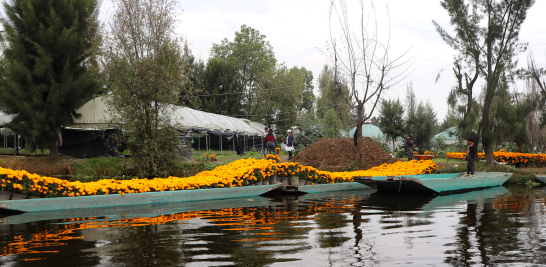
point(273, 157)
point(238, 173)
point(507, 157)
point(211, 157)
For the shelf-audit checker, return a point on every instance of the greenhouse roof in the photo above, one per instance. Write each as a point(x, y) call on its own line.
point(448, 134)
point(95, 112)
point(369, 130)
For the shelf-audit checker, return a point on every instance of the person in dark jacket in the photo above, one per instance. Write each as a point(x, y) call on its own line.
point(289, 143)
point(471, 156)
point(409, 146)
point(270, 144)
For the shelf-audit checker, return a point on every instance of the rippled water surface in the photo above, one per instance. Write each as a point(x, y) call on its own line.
point(498, 226)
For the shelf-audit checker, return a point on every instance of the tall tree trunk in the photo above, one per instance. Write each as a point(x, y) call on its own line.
point(393, 148)
point(54, 152)
point(489, 157)
point(520, 145)
point(359, 145)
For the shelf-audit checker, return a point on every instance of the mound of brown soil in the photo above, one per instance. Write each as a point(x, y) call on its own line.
point(334, 154)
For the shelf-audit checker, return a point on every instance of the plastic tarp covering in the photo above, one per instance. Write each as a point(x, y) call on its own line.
point(190, 118)
point(95, 113)
point(5, 118)
point(82, 143)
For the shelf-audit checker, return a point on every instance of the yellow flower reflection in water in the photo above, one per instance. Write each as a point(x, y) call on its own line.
point(256, 222)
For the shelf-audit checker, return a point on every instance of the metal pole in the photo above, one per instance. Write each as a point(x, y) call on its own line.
point(199, 142)
point(244, 142)
point(220, 144)
point(207, 142)
point(233, 138)
point(253, 142)
point(14, 144)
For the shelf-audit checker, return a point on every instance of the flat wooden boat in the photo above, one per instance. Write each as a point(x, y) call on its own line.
point(541, 178)
point(430, 202)
point(434, 183)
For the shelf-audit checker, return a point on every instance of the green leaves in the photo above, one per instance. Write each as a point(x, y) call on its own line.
point(146, 73)
point(45, 69)
point(391, 119)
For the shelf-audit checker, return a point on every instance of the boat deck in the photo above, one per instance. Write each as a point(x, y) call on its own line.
point(434, 183)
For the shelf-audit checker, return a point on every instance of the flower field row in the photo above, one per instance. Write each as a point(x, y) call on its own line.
point(507, 157)
point(238, 173)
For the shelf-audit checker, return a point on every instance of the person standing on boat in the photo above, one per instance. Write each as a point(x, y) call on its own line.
point(409, 146)
point(471, 156)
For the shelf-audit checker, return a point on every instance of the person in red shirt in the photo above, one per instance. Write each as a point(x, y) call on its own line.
point(270, 144)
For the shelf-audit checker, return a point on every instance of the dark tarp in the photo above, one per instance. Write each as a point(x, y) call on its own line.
point(242, 143)
point(80, 143)
point(7, 142)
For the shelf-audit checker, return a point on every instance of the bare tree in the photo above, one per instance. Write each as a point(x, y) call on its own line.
point(487, 35)
point(537, 74)
point(361, 59)
point(536, 89)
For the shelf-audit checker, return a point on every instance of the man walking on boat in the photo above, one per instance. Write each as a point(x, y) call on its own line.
point(471, 156)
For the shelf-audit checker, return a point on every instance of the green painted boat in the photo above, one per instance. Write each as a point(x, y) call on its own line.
point(102, 201)
point(541, 178)
point(430, 202)
point(152, 198)
point(434, 183)
point(319, 188)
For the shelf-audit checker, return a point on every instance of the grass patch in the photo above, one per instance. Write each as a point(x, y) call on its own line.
point(110, 167)
point(26, 152)
point(446, 160)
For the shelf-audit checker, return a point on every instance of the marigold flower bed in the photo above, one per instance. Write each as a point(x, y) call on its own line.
point(238, 173)
point(507, 157)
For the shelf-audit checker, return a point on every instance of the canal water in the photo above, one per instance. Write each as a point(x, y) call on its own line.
point(502, 226)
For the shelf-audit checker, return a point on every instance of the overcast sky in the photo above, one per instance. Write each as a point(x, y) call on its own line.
point(297, 30)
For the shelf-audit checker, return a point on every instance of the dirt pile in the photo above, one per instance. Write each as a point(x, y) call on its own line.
point(40, 165)
point(332, 154)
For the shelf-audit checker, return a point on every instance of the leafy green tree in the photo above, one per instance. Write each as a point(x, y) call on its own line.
point(511, 117)
point(328, 113)
point(486, 32)
point(280, 96)
point(193, 72)
point(146, 70)
point(308, 96)
point(422, 124)
point(451, 120)
point(223, 89)
point(252, 56)
point(45, 76)
point(391, 119)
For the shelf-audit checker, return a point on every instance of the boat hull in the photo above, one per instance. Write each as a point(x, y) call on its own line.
point(434, 183)
point(541, 178)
